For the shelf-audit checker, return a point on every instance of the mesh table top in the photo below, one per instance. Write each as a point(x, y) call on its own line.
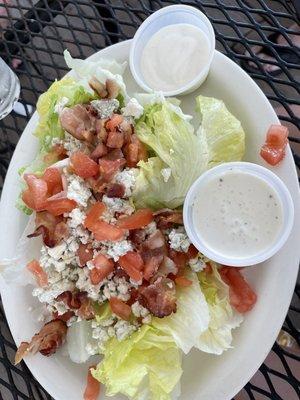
point(33, 36)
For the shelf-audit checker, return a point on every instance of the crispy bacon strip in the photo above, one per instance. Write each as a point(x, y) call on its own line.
point(116, 190)
point(165, 218)
point(52, 228)
point(72, 300)
point(159, 297)
point(47, 341)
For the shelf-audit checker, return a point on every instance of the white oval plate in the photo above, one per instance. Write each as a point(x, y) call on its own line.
point(205, 376)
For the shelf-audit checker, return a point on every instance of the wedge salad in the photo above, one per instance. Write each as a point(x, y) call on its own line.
point(105, 247)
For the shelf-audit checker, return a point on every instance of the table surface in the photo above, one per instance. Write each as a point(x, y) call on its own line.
point(33, 35)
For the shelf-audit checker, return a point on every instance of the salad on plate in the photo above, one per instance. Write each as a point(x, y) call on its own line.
point(118, 281)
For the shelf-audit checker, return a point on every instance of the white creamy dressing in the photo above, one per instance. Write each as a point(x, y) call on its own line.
point(174, 56)
point(237, 214)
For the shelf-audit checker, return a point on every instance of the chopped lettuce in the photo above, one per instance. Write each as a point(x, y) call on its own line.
point(172, 143)
point(222, 132)
point(49, 126)
point(79, 335)
point(191, 318)
point(223, 318)
point(146, 365)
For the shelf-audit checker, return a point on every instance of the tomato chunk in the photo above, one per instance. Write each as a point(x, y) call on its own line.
point(83, 165)
point(127, 264)
point(94, 214)
point(104, 231)
point(114, 122)
point(135, 259)
point(183, 281)
point(52, 177)
point(38, 272)
point(38, 191)
point(60, 206)
point(137, 220)
point(92, 389)
point(85, 254)
point(103, 267)
point(115, 140)
point(120, 308)
point(273, 149)
point(108, 168)
point(241, 295)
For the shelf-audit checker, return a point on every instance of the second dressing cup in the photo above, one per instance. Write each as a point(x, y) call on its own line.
point(166, 16)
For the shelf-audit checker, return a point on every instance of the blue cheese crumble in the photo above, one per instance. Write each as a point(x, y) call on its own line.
point(178, 240)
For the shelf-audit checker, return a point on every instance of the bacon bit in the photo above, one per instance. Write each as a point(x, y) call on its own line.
point(98, 186)
point(179, 258)
point(115, 154)
point(159, 297)
point(98, 87)
point(42, 230)
point(137, 236)
point(61, 231)
point(241, 295)
point(127, 128)
point(64, 317)
point(137, 220)
point(92, 389)
point(86, 310)
point(72, 300)
point(59, 151)
point(76, 120)
point(132, 265)
point(100, 151)
point(154, 246)
point(208, 268)
point(115, 140)
point(167, 267)
point(135, 151)
point(134, 294)
point(192, 252)
point(38, 272)
point(112, 89)
point(151, 267)
point(116, 190)
point(108, 168)
point(166, 218)
point(47, 341)
point(183, 281)
point(120, 308)
point(94, 214)
point(52, 229)
point(101, 130)
point(85, 254)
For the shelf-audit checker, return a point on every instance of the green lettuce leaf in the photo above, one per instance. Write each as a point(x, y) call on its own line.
point(223, 318)
point(175, 149)
point(191, 318)
point(147, 362)
point(49, 126)
point(222, 132)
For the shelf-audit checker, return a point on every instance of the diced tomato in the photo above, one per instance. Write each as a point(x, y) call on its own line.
point(38, 190)
point(85, 254)
point(241, 295)
point(137, 220)
point(127, 263)
point(38, 272)
point(120, 308)
point(115, 140)
point(98, 274)
point(94, 214)
point(83, 165)
point(192, 252)
point(115, 121)
point(183, 281)
point(104, 231)
point(135, 259)
point(100, 151)
point(108, 168)
point(135, 151)
point(273, 149)
point(52, 177)
point(151, 267)
point(92, 389)
point(60, 206)
point(28, 199)
point(101, 261)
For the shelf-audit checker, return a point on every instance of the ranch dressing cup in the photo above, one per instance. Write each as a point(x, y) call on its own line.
point(238, 214)
point(172, 50)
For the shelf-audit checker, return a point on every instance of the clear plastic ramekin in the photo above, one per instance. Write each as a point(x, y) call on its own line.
point(272, 180)
point(166, 16)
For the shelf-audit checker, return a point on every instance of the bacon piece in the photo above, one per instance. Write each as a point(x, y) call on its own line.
point(116, 190)
point(112, 89)
point(109, 168)
point(47, 341)
point(135, 151)
point(75, 120)
point(44, 231)
point(98, 87)
point(86, 310)
point(155, 245)
point(115, 154)
point(61, 231)
point(114, 122)
point(101, 130)
point(92, 389)
point(127, 128)
point(85, 254)
point(132, 263)
point(167, 267)
point(72, 300)
point(151, 266)
point(159, 297)
point(100, 151)
point(137, 236)
point(120, 308)
point(52, 228)
point(166, 218)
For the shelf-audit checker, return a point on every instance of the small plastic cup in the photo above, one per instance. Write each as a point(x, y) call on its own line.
point(256, 170)
point(166, 16)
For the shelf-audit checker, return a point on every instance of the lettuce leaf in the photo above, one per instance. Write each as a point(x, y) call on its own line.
point(49, 126)
point(191, 318)
point(173, 145)
point(145, 365)
point(79, 335)
point(223, 318)
point(222, 132)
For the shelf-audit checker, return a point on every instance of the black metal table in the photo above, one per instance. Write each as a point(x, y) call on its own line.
point(33, 35)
